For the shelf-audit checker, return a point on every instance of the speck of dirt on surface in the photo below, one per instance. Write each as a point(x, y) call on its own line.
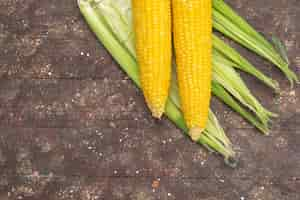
point(112, 124)
point(44, 71)
point(69, 192)
point(142, 194)
point(289, 44)
point(155, 184)
point(91, 192)
point(28, 45)
point(200, 156)
point(281, 142)
point(286, 98)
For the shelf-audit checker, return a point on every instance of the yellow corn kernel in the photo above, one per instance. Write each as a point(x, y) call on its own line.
point(192, 29)
point(152, 24)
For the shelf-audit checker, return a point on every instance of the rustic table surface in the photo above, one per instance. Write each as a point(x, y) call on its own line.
point(73, 126)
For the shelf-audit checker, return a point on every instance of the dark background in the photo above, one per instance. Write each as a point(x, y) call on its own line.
point(73, 126)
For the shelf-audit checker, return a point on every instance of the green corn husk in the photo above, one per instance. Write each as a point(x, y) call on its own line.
point(119, 24)
point(111, 12)
point(222, 94)
point(115, 18)
point(213, 137)
point(280, 48)
point(228, 22)
point(241, 63)
point(225, 75)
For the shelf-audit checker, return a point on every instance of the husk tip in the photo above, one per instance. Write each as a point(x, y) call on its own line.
point(195, 133)
point(231, 161)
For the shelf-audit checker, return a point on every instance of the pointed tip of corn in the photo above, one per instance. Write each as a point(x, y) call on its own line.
point(157, 112)
point(195, 133)
point(267, 133)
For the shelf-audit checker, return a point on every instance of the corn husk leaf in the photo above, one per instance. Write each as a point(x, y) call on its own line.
point(213, 137)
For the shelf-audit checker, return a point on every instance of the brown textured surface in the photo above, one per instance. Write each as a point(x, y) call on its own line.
point(72, 126)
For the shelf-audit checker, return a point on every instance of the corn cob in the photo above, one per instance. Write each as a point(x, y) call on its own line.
point(192, 28)
point(152, 24)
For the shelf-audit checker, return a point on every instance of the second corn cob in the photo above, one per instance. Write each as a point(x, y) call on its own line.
point(192, 28)
point(152, 24)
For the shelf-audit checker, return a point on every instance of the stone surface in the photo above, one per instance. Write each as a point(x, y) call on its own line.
point(72, 126)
